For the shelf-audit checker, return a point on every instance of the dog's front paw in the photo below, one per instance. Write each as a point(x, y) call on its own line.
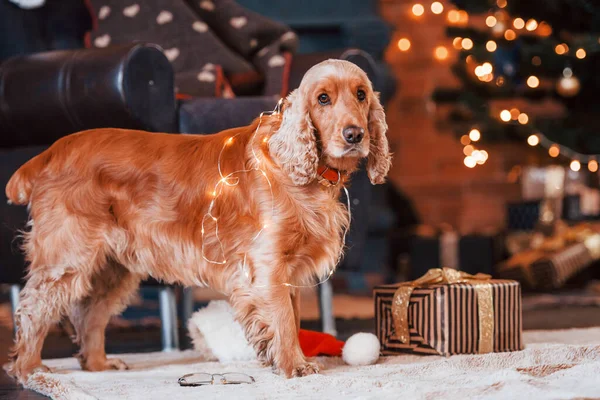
point(305, 369)
point(104, 364)
point(41, 368)
point(116, 363)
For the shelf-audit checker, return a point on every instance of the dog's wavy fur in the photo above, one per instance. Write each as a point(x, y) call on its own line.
point(110, 207)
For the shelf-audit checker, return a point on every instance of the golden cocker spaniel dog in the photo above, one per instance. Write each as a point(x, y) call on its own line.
point(252, 212)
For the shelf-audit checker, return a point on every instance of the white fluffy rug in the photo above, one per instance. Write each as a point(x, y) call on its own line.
point(555, 365)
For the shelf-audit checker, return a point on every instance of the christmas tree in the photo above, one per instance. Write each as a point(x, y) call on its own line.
point(528, 73)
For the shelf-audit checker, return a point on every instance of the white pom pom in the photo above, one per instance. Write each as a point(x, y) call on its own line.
point(361, 349)
point(214, 328)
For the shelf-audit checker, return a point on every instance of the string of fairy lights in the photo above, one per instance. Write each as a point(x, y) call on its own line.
point(232, 180)
point(502, 26)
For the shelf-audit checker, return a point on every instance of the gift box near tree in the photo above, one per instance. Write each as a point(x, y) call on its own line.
point(437, 247)
point(548, 262)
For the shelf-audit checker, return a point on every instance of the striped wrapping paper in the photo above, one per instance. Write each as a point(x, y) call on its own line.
point(443, 319)
point(536, 269)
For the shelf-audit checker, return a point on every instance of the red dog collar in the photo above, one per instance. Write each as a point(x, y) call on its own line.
point(328, 176)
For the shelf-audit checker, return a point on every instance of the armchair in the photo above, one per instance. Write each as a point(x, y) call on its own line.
point(45, 96)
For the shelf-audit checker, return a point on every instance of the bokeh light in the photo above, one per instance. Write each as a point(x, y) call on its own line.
point(474, 135)
point(404, 44)
point(533, 140)
point(491, 21)
point(437, 7)
point(418, 9)
point(523, 118)
point(531, 25)
point(441, 53)
point(470, 162)
point(467, 44)
point(575, 165)
point(519, 23)
point(533, 81)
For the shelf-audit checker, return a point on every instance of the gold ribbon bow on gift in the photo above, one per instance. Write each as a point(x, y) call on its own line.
point(448, 276)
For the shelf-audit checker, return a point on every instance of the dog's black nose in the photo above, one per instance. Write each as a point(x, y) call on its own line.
point(353, 134)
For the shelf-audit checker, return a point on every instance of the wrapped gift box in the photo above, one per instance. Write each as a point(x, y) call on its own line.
point(547, 268)
point(471, 253)
point(524, 215)
point(449, 312)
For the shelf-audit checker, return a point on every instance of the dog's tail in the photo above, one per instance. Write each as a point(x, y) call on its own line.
point(20, 185)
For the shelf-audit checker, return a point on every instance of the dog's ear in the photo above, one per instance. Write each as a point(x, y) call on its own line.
point(294, 146)
point(380, 159)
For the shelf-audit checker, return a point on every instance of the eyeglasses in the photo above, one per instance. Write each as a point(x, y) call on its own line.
point(228, 378)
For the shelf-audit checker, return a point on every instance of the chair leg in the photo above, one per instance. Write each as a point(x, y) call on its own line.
point(168, 318)
point(15, 291)
point(188, 304)
point(326, 308)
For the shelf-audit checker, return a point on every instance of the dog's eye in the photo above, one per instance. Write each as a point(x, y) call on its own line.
point(324, 99)
point(361, 95)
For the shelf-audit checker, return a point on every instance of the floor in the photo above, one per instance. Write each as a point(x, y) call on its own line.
point(147, 338)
